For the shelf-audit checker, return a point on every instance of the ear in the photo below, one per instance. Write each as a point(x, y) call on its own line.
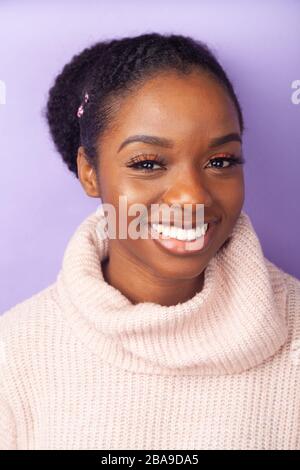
point(87, 174)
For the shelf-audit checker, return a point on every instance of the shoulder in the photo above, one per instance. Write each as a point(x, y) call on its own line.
point(30, 312)
point(278, 275)
point(293, 304)
point(24, 328)
point(289, 285)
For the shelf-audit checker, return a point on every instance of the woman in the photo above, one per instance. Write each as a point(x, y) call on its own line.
point(186, 340)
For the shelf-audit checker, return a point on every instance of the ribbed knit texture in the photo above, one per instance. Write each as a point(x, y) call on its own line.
point(81, 367)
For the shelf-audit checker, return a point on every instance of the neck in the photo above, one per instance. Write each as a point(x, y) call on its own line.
point(139, 284)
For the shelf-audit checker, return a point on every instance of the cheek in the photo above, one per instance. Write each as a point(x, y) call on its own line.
point(115, 181)
point(124, 196)
point(230, 193)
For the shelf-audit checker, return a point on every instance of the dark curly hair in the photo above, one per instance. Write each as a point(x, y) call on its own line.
point(110, 70)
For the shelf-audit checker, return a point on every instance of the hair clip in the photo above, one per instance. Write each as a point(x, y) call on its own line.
point(81, 109)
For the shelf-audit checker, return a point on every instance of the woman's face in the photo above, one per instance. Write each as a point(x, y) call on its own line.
point(190, 111)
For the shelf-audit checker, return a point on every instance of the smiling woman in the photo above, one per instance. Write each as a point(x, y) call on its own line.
point(181, 340)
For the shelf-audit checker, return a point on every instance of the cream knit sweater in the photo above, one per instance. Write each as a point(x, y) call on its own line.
point(81, 367)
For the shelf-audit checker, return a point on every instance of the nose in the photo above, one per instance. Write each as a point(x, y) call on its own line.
point(189, 188)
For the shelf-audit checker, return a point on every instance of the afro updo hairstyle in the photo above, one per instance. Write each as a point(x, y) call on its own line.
point(110, 70)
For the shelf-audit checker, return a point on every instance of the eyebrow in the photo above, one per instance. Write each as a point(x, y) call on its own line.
point(167, 143)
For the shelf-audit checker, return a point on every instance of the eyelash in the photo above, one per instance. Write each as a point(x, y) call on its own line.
point(137, 160)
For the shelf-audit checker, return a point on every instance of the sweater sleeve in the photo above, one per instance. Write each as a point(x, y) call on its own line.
point(8, 434)
point(8, 439)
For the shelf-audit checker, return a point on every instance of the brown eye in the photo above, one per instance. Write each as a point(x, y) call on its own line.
point(231, 161)
point(146, 165)
point(144, 162)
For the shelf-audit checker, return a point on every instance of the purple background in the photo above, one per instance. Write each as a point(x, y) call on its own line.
point(42, 203)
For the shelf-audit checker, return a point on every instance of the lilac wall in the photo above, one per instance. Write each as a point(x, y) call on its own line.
point(42, 203)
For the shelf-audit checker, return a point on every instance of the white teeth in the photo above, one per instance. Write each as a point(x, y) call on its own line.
point(179, 233)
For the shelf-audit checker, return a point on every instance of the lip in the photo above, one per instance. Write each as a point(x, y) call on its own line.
point(185, 247)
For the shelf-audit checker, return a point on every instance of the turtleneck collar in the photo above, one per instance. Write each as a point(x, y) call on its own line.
point(236, 322)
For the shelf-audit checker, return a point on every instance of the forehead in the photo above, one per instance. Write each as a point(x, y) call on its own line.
point(181, 104)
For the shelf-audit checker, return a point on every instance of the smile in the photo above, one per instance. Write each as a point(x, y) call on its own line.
point(180, 233)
